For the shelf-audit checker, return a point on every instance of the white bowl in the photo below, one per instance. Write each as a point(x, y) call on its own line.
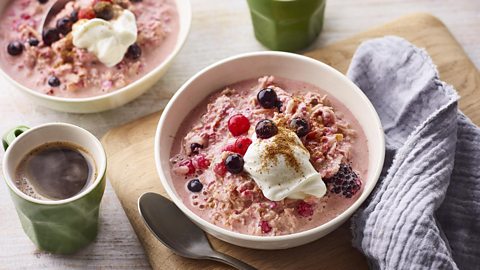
point(254, 65)
point(120, 96)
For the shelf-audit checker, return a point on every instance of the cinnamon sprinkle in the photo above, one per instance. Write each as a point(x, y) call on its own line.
point(282, 144)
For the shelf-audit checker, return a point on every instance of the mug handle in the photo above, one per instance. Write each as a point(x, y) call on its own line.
point(10, 136)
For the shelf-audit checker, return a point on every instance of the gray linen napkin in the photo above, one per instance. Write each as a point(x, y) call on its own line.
point(425, 210)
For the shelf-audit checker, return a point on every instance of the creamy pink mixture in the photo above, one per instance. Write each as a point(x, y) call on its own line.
point(335, 141)
point(78, 73)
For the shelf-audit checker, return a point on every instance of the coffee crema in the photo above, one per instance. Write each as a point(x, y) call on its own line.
point(55, 171)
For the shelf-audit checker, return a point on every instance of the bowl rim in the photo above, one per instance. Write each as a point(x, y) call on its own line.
point(181, 40)
point(280, 238)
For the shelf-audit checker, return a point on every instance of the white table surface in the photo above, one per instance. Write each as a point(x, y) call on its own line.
point(219, 29)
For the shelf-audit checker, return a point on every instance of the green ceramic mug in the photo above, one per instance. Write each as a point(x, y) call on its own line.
point(287, 25)
point(61, 226)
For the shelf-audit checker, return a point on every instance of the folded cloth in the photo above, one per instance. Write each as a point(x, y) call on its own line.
point(425, 210)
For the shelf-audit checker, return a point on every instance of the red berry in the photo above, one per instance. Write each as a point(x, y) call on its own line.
point(311, 135)
point(230, 148)
point(25, 16)
point(201, 162)
point(265, 226)
point(220, 169)
point(238, 124)
point(242, 145)
point(188, 163)
point(86, 13)
point(304, 209)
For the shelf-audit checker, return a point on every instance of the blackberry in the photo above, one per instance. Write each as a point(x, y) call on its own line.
point(345, 182)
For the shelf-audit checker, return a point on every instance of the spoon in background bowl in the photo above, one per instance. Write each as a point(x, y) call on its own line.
point(178, 232)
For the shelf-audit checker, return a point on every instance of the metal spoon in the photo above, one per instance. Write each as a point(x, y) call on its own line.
point(52, 12)
point(177, 232)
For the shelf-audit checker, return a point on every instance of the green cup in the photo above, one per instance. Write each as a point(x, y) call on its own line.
point(287, 25)
point(62, 226)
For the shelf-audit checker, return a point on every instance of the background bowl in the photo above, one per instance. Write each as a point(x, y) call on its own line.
point(254, 65)
point(120, 96)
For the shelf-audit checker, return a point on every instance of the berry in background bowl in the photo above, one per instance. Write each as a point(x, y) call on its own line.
point(94, 55)
point(293, 148)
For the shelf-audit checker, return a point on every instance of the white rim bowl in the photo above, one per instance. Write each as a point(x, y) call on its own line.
point(254, 65)
point(120, 96)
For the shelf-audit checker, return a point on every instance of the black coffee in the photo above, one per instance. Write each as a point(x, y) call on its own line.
point(55, 171)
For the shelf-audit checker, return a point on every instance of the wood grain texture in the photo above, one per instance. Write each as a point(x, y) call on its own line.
point(132, 169)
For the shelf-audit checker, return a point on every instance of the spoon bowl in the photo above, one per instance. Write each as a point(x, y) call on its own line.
point(177, 232)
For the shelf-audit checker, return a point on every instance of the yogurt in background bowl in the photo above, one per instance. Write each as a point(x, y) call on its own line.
point(253, 65)
point(94, 100)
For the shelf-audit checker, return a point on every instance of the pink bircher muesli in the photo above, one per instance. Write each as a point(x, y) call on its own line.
point(269, 156)
point(92, 47)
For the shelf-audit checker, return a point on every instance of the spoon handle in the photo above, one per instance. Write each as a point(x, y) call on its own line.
point(224, 258)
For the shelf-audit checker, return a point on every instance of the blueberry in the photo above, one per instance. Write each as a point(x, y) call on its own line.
point(234, 163)
point(195, 185)
point(50, 36)
point(300, 126)
point(53, 81)
point(33, 42)
point(74, 16)
point(266, 129)
point(195, 147)
point(134, 52)
point(267, 98)
point(42, 1)
point(64, 25)
point(15, 48)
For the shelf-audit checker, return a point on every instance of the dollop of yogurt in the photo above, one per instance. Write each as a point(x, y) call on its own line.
point(281, 167)
point(108, 40)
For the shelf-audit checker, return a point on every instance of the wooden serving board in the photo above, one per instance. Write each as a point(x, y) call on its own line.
point(132, 170)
